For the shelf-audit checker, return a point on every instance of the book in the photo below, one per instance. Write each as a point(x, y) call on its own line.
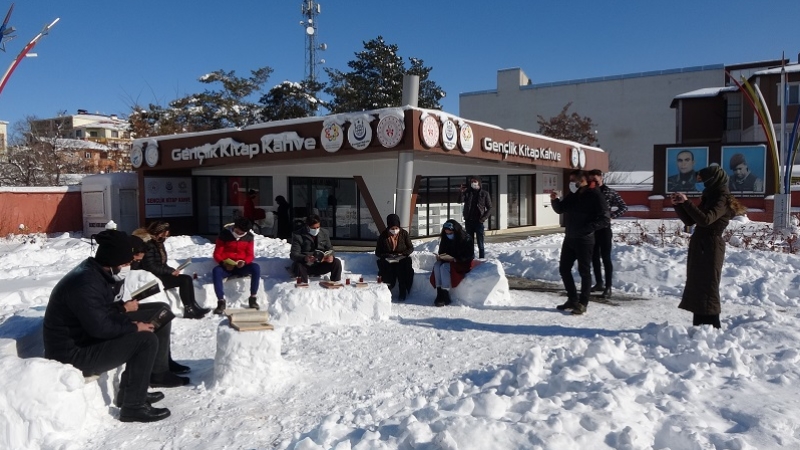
point(148, 289)
point(248, 319)
point(184, 265)
point(331, 284)
point(445, 257)
point(319, 254)
point(394, 258)
point(228, 262)
point(161, 317)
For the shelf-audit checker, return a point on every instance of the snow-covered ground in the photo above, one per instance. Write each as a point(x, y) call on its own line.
point(508, 371)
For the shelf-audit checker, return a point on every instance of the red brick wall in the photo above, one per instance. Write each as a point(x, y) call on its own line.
point(47, 210)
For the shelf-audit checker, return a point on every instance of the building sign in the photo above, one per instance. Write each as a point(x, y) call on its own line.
point(549, 183)
point(359, 133)
point(288, 141)
point(521, 151)
point(390, 131)
point(449, 135)
point(167, 197)
point(429, 131)
point(466, 139)
point(331, 137)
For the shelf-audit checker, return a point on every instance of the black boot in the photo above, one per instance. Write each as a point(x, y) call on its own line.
point(190, 312)
point(167, 380)
point(446, 296)
point(200, 309)
point(607, 292)
point(252, 302)
point(152, 397)
point(178, 369)
point(142, 413)
point(220, 307)
point(598, 287)
point(570, 304)
point(439, 302)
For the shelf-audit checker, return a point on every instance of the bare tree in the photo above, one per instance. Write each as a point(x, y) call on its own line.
point(573, 127)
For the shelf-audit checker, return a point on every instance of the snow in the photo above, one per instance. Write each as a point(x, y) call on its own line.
point(498, 369)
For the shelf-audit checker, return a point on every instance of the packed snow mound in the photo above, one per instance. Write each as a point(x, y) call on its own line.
point(622, 391)
point(485, 285)
point(290, 305)
point(248, 362)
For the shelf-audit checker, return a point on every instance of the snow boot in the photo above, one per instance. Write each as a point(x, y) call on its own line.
point(220, 307)
point(607, 292)
point(598, 287)
point(191, 312)
point(579, 309)
point(571, 303)
point(439, 302)
point(252, 302)
point(178, 369)
point(446, 296)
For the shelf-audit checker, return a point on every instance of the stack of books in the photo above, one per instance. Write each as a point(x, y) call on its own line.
point(248, 319)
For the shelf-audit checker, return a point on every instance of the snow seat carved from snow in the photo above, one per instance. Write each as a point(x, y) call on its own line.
point(247, 362)
point(289, 305)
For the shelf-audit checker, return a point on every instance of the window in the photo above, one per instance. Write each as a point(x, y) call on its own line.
point(341, 208)
point(93, 134)
point(114, 134)
point(78, 134)
point(438, 201)
point(794, 94)
point(221, 201)
point(733, 120)
point(520, 200)
point(87, 155)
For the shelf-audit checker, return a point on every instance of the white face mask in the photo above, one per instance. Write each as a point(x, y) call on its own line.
point(238, 236)
point(573, 187)
point(394, 231)
point(123, 272)
point(313, 231)
point(475, 185)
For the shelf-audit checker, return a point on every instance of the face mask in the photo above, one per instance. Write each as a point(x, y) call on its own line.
point(573, 187)
point(394, 231)
point(313, 231)
point(451, 236)
point(700, 186)
point(475, 186)
point(238, 236)
point(119, 273)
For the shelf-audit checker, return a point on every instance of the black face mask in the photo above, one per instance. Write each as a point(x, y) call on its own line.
point(161, 239)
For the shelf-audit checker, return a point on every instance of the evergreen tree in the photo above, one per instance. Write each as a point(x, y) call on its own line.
point(572, 127)
point(376, 80)
point(290, 100)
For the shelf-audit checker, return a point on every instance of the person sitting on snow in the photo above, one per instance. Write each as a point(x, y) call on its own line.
point(454, 259)
point(308, 254)
point(85, 328)
point(234, 254)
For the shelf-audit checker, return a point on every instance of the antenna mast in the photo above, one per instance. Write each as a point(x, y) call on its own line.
point(310, 10)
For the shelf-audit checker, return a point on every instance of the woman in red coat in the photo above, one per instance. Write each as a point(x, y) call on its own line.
point(234, 254)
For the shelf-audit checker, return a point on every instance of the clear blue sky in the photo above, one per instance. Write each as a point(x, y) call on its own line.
point(105, 55)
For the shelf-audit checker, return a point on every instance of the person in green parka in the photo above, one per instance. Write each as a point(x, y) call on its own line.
point(706, 247)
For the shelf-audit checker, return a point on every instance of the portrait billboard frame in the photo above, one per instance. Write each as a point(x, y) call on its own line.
point(755, 157)
point(673, 181)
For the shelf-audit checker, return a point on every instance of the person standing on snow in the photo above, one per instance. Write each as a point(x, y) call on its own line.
point(603, 237)
point(477, 207)
point(585, 211)
point(706, 246)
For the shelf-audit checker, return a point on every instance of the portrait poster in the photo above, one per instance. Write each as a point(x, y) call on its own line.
point(746, 166)
point(682, 166)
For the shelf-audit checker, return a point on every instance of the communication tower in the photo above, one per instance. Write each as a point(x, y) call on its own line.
point(310, 10)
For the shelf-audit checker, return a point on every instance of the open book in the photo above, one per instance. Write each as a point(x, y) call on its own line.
point(161, 317)
point(148, 289)
point(228, 262)
point(319, 255)
point(445, 257)
point(394, 258)
point(184, 265)
point(248, 319)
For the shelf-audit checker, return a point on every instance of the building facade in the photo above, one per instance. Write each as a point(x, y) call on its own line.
point(355, 169)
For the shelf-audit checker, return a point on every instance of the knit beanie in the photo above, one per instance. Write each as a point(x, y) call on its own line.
point(392, 220)
point(114, 248)
point(157, 227)
point(137, 245)
point(736, 160)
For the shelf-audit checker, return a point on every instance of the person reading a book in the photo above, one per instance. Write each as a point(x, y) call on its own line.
point(393, 250)
point(453, 260)
point(155, 261)
point(234, 253)
point(312, 252)
point(83, 327)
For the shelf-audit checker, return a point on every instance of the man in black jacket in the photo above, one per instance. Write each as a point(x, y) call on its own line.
point(477, 207)
point(603, 238)
point(83, 327)
point(585, 211)
point(309, 245)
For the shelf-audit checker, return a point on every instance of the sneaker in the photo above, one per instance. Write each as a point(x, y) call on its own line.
point(252, 303)
point(569, 304)
point(579, 309)
point(220, 307)
point(598, 287)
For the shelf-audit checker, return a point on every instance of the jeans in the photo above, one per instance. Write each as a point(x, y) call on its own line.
point(136, 350)
point(580, 249)
point(475, 230)
point(441, 274)
point(602, 250)
point(303, 270)
point(220, 273)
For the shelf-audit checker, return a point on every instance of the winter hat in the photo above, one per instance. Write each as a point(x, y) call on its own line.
point(736, 160)
point(448, 225)
point(392, 220)
point(114, 248)
point(137, 245)
point(243, 224)
point(157, 227)
point(713, 176)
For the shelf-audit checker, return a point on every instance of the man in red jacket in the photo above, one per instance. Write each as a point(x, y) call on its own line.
point(234, 255)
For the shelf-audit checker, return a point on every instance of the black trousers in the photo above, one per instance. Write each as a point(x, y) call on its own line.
point(144, 314)
point(475, 231)
point(602, 251)
point(577, 249)
point(136, 350)
point(185, 287)
point(400, 272)
point(706, 319)
point(303, 270)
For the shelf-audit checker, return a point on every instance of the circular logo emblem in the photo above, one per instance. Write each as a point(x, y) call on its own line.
point(332, 137)
point(359, 135)
point(151, 153)
point(582, 158)
point(182, 186)
point(574, 157)
point(137, 157)
point(465, 138)
point(152, 186)
point(168, 186)
point(429, 132)
point(449, 135)
point(390, 131)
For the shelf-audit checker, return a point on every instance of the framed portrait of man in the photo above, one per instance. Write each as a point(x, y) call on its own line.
point(682, 166)
point(746, 166)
